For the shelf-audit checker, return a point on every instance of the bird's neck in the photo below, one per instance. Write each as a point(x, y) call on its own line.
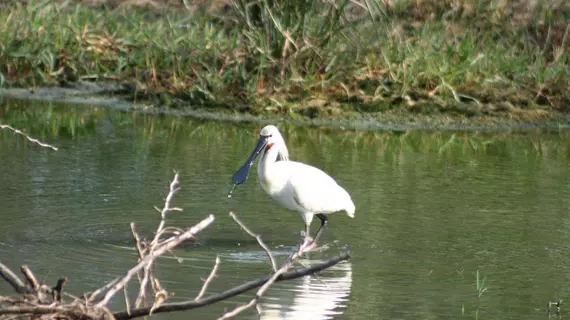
point(266, 169)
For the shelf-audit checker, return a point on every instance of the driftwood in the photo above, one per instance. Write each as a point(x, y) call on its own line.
point(39, 301)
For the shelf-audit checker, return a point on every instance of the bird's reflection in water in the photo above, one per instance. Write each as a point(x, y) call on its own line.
point(312, 297)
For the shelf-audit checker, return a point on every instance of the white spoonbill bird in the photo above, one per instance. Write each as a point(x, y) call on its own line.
point(294, 185)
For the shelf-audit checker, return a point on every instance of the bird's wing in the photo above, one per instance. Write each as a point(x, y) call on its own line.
point(315, 191)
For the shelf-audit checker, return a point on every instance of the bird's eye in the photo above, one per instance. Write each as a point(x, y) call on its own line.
point(271, 135)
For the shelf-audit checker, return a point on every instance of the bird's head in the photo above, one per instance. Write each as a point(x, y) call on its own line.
point(270, 142)
point(274, 142)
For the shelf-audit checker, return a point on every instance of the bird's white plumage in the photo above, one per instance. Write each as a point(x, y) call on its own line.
point(298, 186)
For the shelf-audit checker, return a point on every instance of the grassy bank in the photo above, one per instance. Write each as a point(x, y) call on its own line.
point(309, 58)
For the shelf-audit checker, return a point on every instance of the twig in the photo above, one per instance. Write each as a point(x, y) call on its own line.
point(304, 247)
point(173, 189)
point(258, 238)
point(29, 275)
point(153, 255)
point(127, 303)
point(147, 270)
point(141, 252)
point(141, 297)
point(157, 287)
point(94, 305)
point(192, 304)
point(138, 244)
point(238, 310)
point(160, 296)
point(174, 230)
point(13, 279)
point(93, 296)
point(45, 145)
point(209, 279)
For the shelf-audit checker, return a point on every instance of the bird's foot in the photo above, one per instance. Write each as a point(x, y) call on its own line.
point(309, 244)
point(305, 237)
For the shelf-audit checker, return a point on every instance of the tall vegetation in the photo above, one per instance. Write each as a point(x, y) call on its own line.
point(281, 56)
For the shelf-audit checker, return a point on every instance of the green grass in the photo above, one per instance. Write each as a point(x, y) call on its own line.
point(306, 58)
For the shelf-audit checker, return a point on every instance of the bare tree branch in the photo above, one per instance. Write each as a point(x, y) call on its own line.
point(41, 309)
point(209, 279)
point(138, 243)
point(147, 271)
point(160, 294)
point(153, 255)
point(173, 189)
point(30, 277)
point(306, 246)
point(42, 301)
point(13, 279)
point(45, 145)
point(141, 252)
point(127, 303)
point(95, 295)
point(191, 304)
point(238, 310)
point(258, 238)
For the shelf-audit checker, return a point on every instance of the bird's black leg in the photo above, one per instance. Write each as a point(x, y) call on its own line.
point(324, 221)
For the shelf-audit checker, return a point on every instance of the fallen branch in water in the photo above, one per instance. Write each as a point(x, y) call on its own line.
point(279, 274)
point(39, 301)
point(306, 246)
point(149, 259)
point(45, 145)
point(191, 304)
point(155, 246)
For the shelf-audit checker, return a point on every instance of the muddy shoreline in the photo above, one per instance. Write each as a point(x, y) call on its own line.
point(111, 95)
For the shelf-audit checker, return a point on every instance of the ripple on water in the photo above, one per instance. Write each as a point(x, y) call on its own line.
point(69, 239)
point(256, 256)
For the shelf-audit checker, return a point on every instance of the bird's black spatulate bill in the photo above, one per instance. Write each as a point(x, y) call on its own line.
point(241, 175)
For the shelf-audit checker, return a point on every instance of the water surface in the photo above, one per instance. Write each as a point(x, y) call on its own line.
point(432, 209)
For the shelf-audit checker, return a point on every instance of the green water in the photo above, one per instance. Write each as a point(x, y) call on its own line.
point(432, 208)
